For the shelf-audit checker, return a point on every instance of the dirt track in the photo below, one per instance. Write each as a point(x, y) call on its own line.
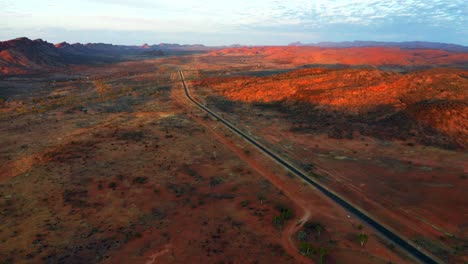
point(301, 204)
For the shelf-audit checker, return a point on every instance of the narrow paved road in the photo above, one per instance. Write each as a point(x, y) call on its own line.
point(301, 205)
point(397, 239)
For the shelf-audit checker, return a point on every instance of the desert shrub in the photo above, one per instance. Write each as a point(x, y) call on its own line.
point(308, 166)
point(322, 254)
point(277, 249)
point(278, 221)
point(265, 185)
point(222, 196)
point(121, 105)
point(274, 105)
point(131, 135)
point(82, 124)
point(244, 203)
point(222, 103)
point(165, 90)
point(314, 226)
point(301, 235)
point(433, 246)
point(75, 197)
point(112, 185)
point(131, 234)
point(140, 180)
point(215, 181)
point(306, 249)
point(187, 169)
point(261, 197)
point(362, 238)
point(285, 214)
point(158, 214)
point(180, 189)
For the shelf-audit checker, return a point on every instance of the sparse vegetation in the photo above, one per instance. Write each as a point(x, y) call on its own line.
point(112, 185)
point(101, 88)
point(306, 249)
point(99, 144)
point(222, 104)
point(140, 180)
point(131, 135)
point(75, 197)
point(322, 254)
point(215, 181)
point(285, 215)
point(314, 226)
point(244, 203)
point(362, 238)
point(302, 235)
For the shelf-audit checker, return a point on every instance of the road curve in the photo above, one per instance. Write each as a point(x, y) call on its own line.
point(412, 249)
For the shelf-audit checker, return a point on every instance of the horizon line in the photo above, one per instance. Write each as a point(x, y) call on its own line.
point(293, 43)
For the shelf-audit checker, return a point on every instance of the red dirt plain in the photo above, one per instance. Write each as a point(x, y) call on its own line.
point(350, 56)
point(436, 97)
point(113, 164)
point(392, 142)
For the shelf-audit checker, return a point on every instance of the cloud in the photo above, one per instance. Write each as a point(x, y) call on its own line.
point(267, 19)
point(129, 4)
point(366, 12)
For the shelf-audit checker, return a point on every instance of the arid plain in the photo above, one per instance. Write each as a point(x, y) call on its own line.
point(111, 162)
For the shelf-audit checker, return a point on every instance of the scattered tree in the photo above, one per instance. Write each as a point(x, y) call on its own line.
point(285, 214)
point(261, 197)
point(318, 228)
point(301, 235)
point(278, 221)
point(306, 249)
point(363, 239)
point(322, 254)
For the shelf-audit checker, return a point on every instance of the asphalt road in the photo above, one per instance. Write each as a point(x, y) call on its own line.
point(412, 249)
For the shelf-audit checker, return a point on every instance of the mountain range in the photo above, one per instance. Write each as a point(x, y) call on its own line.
point(403, 45)
point(23, 55)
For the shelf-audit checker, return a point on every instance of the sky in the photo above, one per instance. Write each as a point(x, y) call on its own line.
point(221, 22)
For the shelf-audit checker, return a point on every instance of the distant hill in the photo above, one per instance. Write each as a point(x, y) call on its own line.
point(403, 45)
point(294, 56)
point(427, 106)
point(22, 55)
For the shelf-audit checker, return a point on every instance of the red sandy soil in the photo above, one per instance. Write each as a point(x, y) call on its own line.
point(135, 174)
point(417, 190)
point(305, 200)
point(350, 56)
point(436, 98)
